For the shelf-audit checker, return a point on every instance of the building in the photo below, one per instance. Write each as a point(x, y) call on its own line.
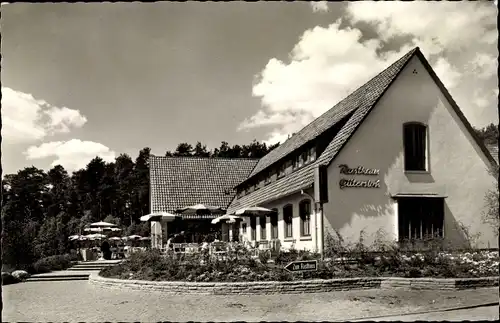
point(396, 157)
point(178, 182)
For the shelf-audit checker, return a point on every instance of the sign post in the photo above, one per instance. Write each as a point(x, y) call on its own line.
point(302, 266)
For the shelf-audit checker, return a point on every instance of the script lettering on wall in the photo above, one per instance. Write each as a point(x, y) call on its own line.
point(360, 170)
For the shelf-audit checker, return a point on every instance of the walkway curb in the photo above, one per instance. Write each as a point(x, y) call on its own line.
point(293, 287)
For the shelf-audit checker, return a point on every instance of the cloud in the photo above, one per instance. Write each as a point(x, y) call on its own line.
point(73, 154)
point(26, 119)
point(329, 62)
point(319, 6)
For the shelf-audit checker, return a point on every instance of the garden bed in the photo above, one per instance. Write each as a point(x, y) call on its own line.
point(152, 266)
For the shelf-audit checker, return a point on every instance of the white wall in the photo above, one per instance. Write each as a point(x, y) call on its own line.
point(300, 242)
point(458, 168)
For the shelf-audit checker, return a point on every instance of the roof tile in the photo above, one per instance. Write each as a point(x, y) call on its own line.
point(178, 182)
point(360, 101)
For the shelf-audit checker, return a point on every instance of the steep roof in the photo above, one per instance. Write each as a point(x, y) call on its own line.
point(178, 182)
point(363, 97)
point(358, 103)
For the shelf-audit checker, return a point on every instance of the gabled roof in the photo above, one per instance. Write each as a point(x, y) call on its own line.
point(178, 182)
point(361, 102)
point(358, 103)
point(364, 97)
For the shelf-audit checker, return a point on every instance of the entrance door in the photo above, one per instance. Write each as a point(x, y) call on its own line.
point(420, 218)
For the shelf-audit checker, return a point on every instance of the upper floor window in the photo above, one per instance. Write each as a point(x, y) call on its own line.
point(305, 218)
point(295, 162)
point(415, 146)
point(312, 154)
point(281, 170)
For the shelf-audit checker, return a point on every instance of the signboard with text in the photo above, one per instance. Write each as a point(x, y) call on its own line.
point(301, 266)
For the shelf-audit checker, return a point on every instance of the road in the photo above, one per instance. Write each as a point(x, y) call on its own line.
point(81, 301)
point(487, 313)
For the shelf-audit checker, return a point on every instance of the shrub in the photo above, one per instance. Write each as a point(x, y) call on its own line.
point(51, 263)
point(264, 257)
point(8, 279)
point(20, 275)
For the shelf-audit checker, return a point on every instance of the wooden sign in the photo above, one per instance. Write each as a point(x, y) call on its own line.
point(301, 266)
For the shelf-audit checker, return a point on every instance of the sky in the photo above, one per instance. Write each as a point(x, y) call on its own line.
point(101, 79)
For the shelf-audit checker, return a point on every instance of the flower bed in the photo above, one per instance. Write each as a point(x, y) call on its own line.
point(151, 265)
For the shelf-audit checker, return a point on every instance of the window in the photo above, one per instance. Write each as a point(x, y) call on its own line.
point(305, 218)
point(295, 162)
point(244, 228)
point(281, 170)
point(253, 230)
point(263, 235)
point(420, 218)
point(415, 146)
point(305, 157)
point(288, 220)
point(267, 178)
point(312, 154)
point(274, 224)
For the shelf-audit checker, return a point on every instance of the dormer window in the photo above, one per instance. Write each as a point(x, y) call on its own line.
point(281, 170)
point(312, 154)
point(415, 146)
point(295, 162)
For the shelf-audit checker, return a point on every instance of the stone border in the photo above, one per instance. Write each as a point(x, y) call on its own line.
point(293, 287)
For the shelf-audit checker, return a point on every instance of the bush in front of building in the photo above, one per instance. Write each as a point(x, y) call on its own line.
point(344, 262)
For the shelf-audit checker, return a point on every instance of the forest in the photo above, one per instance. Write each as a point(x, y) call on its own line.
point(41, 209)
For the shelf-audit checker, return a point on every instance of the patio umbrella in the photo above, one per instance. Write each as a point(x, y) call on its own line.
point(95, 236)
point(102, 225)
point(199, 209)
point(228, 218)
point(253, 210)
point(102, 229)
point(157, 216)
point(134, 236)
point(115, 238)
point(77, 237)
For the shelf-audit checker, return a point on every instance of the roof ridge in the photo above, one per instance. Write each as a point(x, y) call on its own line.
point(411, 52)
point(200, 157)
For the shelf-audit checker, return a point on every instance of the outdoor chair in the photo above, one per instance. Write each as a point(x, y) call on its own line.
point(219, 249)
point(192, 248)
point(179, 247)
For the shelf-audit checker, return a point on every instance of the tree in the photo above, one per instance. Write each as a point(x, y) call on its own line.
point(140, 201)
point(201, 150)
point(183, 149)
point(488, 134)
point(491, 215)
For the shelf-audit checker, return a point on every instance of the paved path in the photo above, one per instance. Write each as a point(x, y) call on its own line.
point(81, 301)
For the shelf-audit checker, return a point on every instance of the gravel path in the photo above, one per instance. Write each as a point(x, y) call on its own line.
point(81, 301)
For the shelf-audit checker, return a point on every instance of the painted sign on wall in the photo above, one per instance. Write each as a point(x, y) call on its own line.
point(360, 170)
